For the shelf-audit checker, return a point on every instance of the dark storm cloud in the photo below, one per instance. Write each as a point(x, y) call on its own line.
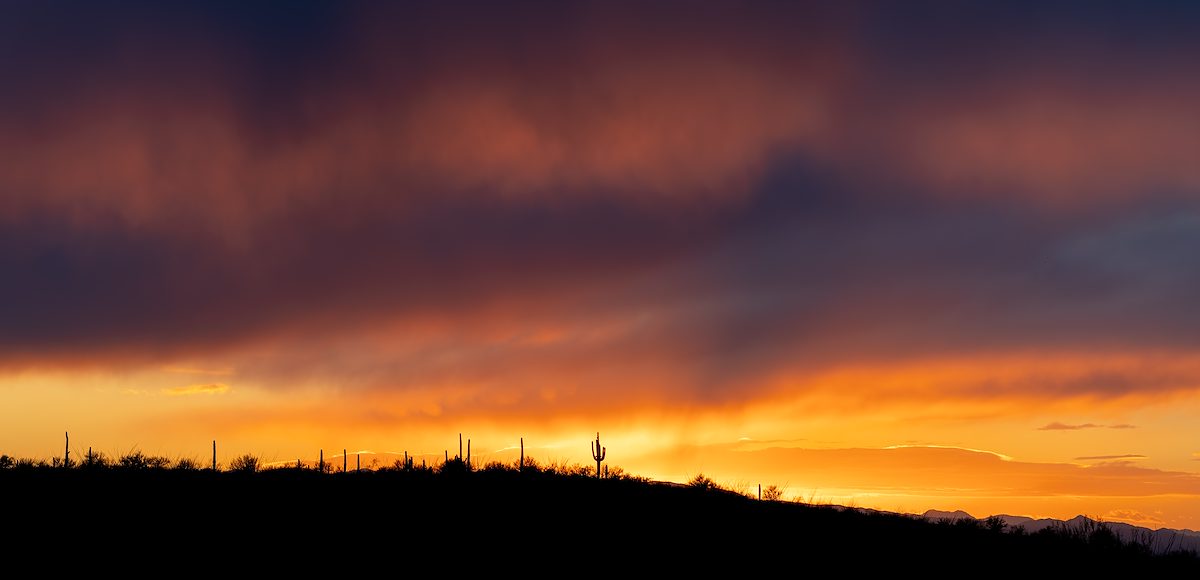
point(759, 186)
point(106, 286)
point(184, 176)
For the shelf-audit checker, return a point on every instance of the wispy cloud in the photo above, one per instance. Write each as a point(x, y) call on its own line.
point(188, 370)
point(201, 389)
point(1000, 456)
point(1057, 426)
point(1108, 457)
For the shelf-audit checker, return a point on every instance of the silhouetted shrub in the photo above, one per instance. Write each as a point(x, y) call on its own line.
point(531, 466)
point(29, 463)
point(157, 462)
point(134, 460)
point(188, 464)
point(245, 464)
point(95, 460)
point(702, 482)
point(772, 493)
point(496, 466)
point(454, 466)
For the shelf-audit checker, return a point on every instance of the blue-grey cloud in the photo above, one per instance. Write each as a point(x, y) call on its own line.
point(753, 188)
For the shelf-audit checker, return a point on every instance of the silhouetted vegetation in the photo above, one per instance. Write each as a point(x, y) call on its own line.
point(598, 454)
point(170, 510)
point(244, 464)
point(702, 482)
point(772, 493)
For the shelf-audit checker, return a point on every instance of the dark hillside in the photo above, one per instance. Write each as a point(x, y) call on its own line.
point(305, 520)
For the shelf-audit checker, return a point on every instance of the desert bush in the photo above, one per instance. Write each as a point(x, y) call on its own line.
point(247, 463)
point(157, 462)
point(531, 465)
point(772, 493)
point(29, 463)
point(133, 460)
point(615, 472)
point(559, 467)
point(188, 464)
point(702, 482)
point(96, 460)
point(496, 466)
point(139, 460)
point(454, 466)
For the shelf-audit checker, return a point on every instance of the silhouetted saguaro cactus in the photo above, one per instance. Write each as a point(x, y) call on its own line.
point(344, 458)
point(468, 453)
point(460, 455)
point(214, 464)
point(67, 455)
point(521, 463)
point(598, 453)
point(321, 462)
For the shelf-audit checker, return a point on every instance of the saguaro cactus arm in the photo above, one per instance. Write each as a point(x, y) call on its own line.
point(598, 453)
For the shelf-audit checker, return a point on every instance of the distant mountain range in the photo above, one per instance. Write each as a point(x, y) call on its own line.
point(1160, 541)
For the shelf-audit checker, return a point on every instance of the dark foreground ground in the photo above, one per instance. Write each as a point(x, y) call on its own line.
point(171, 523)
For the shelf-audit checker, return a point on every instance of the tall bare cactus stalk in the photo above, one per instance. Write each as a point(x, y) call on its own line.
point(598, 454)
point(521, 463)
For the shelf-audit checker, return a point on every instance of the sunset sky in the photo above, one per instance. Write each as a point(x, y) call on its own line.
point(904, 255)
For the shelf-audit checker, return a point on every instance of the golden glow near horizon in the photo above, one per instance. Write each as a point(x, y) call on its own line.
point(1118, 460)
point(778, 243)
